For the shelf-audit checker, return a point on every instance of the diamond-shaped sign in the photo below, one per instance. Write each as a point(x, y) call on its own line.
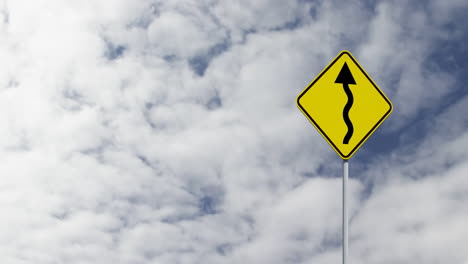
point(344, 104)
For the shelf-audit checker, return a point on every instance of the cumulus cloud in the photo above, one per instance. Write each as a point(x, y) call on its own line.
point(167, 132)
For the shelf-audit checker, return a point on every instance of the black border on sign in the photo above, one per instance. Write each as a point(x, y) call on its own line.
point(320, 129)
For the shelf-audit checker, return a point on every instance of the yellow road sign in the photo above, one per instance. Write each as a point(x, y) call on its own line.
point(344, 104)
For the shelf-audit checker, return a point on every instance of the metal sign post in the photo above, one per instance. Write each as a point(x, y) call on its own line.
point(345, 211)
point(341, 89)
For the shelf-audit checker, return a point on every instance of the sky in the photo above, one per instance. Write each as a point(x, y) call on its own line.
point(167, 132)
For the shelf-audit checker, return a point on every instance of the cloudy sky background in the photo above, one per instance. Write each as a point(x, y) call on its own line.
point(167, 132)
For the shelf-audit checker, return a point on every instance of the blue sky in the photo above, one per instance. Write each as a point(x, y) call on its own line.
point(167, 132)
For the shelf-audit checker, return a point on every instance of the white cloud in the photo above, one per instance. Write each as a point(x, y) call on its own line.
point(398, 50)
point(174, 34)
point(420, 221)
point(115, 149)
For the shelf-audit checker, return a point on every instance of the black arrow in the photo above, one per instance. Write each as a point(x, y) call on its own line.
point(345, 77)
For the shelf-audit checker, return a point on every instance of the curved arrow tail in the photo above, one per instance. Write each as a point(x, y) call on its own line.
point(346, 109)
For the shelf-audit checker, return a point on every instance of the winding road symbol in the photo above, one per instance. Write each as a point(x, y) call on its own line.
point(345, 117)
point(346, 78)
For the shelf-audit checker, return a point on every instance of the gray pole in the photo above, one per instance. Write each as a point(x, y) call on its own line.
point(345, 212)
